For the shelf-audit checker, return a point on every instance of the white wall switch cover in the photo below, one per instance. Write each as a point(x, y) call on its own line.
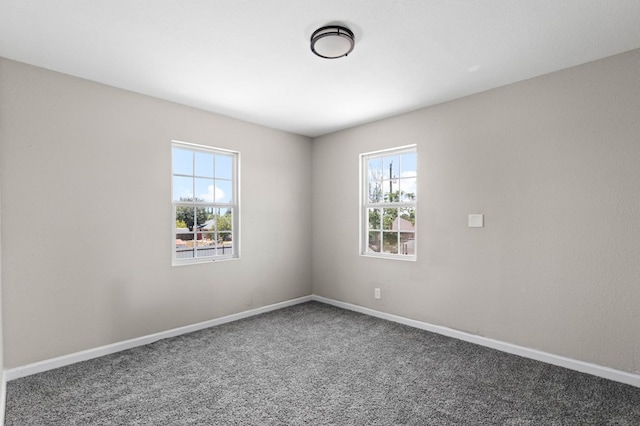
point(476, 221)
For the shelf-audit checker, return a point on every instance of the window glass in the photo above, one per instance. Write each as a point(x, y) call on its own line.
point(204, 192)
point(182, 161)
point(224, 166)
point(389, 197)
point(204, 164)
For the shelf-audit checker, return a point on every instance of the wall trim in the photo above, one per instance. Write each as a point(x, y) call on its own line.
point(572, 364)
point(3, 395)
point(61, 361)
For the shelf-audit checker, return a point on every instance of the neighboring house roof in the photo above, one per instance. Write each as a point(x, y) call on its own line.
point(400, 224)
point(208, 225)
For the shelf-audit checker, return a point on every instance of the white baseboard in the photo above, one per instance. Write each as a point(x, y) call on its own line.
point(572, 364)
point(61, 361)
point(3, 396)
point(584, 367)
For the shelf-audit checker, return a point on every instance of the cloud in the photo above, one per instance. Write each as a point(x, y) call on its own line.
point(409, 184)
point(209, 196)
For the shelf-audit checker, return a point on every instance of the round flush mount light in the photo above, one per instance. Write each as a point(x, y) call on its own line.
point(332, 42)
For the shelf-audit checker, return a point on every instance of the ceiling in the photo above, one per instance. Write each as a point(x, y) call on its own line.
point(250, 59)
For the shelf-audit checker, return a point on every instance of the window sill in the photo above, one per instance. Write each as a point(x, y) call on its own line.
point(404, 258)
point(203, 261)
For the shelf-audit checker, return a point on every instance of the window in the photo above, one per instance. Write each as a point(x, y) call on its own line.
point(205, 203)
point(388, 194)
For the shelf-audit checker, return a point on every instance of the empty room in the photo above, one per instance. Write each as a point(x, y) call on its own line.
point(390, 212)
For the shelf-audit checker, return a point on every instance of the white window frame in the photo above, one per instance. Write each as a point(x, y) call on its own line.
point(366, 204)
point(234, 205)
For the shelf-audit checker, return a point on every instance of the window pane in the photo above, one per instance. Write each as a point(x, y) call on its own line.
point(408, 189)
point(223, 191)
point(408, 165)
point(375, 191)
point(391, 191)
point(407, 220)
point(225, 243)
point(374, 180)
point(374, 242)
point(407, 243)
point(182, 236)
point(185, 217)
point(205, 220)
point(205, 251)
point(374, 218)
point(204, 164)
point(182, 188)
point(389, 218)
point(182, 161)
point(224, 166)
point(224, 219)
point(206, 244)
point(184, 243)
point(390, 242)
point(183, 252)
point(391, 166)
point(374, 166)
point(204, 190)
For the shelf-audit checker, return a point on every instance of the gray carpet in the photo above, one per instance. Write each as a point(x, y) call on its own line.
point(314, 364)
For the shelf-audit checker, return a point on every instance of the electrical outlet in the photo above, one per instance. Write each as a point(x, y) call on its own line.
point(376, 293)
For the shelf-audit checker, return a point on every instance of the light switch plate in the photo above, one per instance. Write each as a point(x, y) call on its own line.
point(476, 221)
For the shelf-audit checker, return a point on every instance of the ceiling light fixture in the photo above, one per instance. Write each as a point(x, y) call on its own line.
point(332, 42)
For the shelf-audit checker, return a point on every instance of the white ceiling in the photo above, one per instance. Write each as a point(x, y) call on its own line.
point(250, 59)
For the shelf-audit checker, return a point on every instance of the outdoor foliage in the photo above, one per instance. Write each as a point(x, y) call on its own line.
point(185, 214)
point(391, 217)
point(190, 216)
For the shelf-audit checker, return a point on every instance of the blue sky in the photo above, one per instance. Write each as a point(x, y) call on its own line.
point(403, 168)
point(208, 175)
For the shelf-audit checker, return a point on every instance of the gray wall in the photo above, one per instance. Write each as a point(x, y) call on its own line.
point(2, 379)
point(554, 164)
point(86, 216)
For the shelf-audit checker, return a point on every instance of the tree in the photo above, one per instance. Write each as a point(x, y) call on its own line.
point(189, 215)
point(375, 186)
point(224, 222)
point(409, 214)
point(397, 196)
point(224, 226)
